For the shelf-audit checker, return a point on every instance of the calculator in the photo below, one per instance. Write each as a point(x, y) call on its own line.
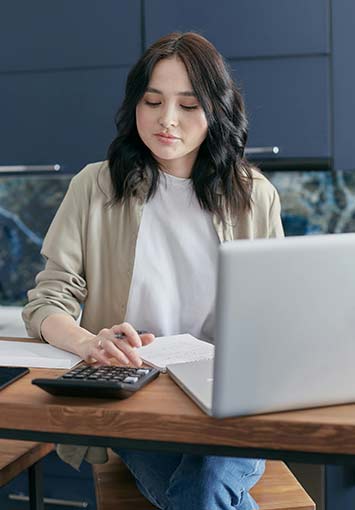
point(99, 381)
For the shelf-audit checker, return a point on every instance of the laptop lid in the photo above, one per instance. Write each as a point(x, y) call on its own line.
point(196, 379)
point(285, 324)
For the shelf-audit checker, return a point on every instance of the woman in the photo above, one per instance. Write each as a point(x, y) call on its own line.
point(135, 241)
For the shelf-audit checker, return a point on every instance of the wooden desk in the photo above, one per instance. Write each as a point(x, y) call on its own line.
point(162, 417)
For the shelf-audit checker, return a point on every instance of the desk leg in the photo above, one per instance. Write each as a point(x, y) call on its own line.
point(35, 487)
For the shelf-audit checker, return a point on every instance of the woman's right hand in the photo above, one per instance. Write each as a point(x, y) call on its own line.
point(105, 346)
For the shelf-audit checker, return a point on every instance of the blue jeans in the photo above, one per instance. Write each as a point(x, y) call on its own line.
point(193, 482)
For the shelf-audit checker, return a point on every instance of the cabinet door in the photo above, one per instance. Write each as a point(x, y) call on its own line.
point(59, 117)
point(344, 83)
point(50, 35)
point(64, 488)
point(246, 28)
point(288, 104)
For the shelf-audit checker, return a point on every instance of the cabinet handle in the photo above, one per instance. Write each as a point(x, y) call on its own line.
point(51, 501)
point(29, 168)
point(263, 150)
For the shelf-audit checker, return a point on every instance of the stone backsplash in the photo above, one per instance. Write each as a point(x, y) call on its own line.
point(312, 203)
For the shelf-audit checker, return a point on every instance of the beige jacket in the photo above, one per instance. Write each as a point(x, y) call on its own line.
point(90, 249)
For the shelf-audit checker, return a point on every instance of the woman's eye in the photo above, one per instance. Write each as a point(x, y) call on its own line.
point(189, 107)
point(184, 107)
point(149, 103)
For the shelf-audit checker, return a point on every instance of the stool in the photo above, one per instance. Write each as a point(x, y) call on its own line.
point(15, 457)
point(278, 489)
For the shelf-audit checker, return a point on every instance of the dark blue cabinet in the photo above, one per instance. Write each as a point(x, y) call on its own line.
point(246, 28)
point(340, 487)
point(59, 117)
point(64, 488)
point(288, 104)
point(50, 35)
point(343, 17)
point(63, 67)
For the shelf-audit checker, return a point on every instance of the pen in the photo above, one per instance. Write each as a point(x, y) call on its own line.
point(139, 331)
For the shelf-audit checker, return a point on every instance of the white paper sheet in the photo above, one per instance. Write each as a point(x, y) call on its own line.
point(167, 350)
point(35, 355)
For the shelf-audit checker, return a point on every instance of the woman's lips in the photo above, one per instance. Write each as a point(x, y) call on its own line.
point(168, 140)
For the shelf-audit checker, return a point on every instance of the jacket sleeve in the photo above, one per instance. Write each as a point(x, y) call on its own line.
point(61, 286)
point(275, 223)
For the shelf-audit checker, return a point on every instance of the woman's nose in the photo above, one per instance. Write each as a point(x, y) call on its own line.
point(168, 118)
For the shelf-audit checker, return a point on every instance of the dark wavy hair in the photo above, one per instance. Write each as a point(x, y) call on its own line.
point(221, 176)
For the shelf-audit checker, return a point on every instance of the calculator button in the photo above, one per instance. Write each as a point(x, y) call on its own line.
point(130, 379)
point(143, 371)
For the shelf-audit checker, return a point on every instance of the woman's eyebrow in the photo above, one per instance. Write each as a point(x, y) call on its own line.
point(185, 93)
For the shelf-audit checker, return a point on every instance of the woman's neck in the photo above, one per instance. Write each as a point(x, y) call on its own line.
point(180, 167)
point(181, 174)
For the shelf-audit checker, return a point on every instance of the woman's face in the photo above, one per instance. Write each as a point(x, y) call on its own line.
point(170, 120)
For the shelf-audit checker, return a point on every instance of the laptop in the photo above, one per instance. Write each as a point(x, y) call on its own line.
point(285, 328)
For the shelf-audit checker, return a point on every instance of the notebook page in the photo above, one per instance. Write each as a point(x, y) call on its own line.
point(35, 355)
point(167, 350)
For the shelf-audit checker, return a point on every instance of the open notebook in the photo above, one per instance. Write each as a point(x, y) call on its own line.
point(168, 350)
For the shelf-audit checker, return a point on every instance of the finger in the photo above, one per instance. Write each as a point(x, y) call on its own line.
point(98, 351)
point(121, 350)
point(147, 338)
point(129, 351)
point(99, 355)
point(131, 335)
point(110, 350)
point(104, 339)
point(123, 356)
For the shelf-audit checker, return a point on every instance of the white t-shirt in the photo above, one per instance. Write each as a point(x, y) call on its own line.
point(173, 288)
